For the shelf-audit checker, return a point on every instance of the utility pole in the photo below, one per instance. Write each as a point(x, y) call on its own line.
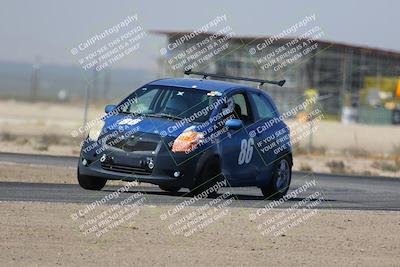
point(106, 87)
point(35, 80)
point(344, 79)
point(86, 104)
point(94, 85)
point(378, 73)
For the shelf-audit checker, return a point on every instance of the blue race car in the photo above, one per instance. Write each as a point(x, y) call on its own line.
point(191, 133)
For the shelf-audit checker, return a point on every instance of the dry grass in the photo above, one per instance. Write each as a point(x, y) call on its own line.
point(336, 166)
point(386, 166)
point(396, 152)
point(7, 137)
point(40, 142)
point(356, 152)
point(305, 167)
point(315, 150)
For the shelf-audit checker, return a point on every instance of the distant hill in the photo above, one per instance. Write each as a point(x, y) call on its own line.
point(15, 81)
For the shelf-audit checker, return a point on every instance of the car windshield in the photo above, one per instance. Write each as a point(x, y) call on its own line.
point(171, 103)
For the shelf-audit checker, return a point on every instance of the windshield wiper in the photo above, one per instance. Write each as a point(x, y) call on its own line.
point(164, 115)
point(155, 115)
point(132, 113)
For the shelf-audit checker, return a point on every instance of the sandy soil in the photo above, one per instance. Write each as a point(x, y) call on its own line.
point(45, 128)
point(63, 118)
point(352, 165)
point(11, 172)
point(35, 146)
point(44, 234)
point(29, 173)
point(38, 118)
point(38, 234)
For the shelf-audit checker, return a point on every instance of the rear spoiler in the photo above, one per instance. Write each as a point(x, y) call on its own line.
point(261, 82)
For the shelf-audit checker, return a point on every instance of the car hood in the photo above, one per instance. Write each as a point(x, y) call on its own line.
point(162, 126)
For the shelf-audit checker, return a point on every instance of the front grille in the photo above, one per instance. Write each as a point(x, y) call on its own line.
point(126, 169)
point(146, 143)
point(139, 146)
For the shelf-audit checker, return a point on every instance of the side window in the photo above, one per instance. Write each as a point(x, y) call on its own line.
point(240, 100)
point(264, 108)
point(241, 107)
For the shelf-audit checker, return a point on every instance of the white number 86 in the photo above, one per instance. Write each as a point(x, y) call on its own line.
point(246, 151)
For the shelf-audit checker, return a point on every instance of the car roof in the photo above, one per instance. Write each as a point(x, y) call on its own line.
point(201, 84)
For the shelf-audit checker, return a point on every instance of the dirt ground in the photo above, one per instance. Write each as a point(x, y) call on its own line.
point(62, 118)
point(38, 234)
point(45, 128)
point(30, 173)
point(375, 166)
point(11, 172)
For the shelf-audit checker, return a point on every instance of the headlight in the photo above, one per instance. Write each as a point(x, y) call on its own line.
point(95, 130)
point(187, 141)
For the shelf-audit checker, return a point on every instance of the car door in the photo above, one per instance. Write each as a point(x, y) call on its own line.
point(268, 131)
point(238, 164)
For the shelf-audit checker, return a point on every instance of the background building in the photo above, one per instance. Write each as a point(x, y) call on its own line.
point(360, 83)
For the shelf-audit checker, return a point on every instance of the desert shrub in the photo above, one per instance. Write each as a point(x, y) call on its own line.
point(305, 168)
point(336, 166)
point(396, 153)
point(7, 137)
point(50, 139)
point(386, 166)
point(356, 152)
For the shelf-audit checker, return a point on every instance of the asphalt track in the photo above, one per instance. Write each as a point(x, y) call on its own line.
point(336, 191)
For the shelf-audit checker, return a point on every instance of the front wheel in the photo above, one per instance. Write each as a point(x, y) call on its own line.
point(209, 177)
point(281, 178)
point(90, 182)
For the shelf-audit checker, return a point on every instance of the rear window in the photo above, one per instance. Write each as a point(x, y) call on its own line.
point(264, 108)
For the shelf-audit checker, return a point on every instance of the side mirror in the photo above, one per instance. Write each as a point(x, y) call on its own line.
point(109, 108)
point(234, 124)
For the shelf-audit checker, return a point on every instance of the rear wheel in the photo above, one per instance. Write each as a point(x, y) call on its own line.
point(281, 178)
point(90, 182)
point(209, 176)
point(168, 188)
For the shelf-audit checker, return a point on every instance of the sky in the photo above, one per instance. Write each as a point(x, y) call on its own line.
point(49, 28)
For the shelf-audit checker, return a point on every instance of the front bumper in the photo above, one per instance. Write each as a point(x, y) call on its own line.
point(134, 166)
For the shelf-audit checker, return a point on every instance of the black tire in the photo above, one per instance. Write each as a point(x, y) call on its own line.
point(277, 188)
point(209, 176)
point(170, 189)
point(90, 182)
